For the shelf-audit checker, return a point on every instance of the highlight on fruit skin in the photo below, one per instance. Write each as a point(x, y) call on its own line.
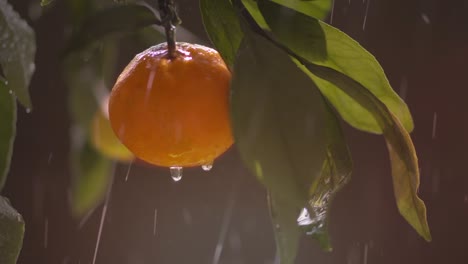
point(106, 142)
point(173, 111)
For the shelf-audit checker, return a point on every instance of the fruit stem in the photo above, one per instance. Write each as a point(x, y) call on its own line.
point(170, 20)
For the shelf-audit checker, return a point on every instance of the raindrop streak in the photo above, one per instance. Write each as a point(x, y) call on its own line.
point(10, 92)
point(224, 228)
point(366, 249)
point(277, 259)
point(403, 87)
point(187, 216)
point(207, 167)
point(331, 12)
point(28, 110)
point(66, 260)
point(103, 215)
point(149, 85)
point(155, 221)
point(425, 18)
point(176, 173)
point(365, 16)
point(128, 171)
point(49, 159)
point(46, 232)
point(434, 125)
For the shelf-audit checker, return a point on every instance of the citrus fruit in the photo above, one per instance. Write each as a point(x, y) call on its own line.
point(105, 141)
point(173, 110)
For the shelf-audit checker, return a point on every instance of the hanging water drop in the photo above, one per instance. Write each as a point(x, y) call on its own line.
point(207, 167)
point(176, 173)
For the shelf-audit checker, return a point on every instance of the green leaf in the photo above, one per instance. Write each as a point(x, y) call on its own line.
point(92, 176)
point(222, 26)
point(117, 19)
point(85, 74)
point(252, 7)
point(300, 33)
point(341, 53)
point(279, 121)
point(313, 221)
point(278, 117)
point(17, 51)
point(286, 229)
point(84, 81)
point(348, 57)
point(405, 169)
point(11, 232)
point(336, 171)
point(7, 131)
point(79, 9)
point(314, 8)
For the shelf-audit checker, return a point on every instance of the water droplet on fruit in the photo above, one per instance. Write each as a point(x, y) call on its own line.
point(207, 167)
point(176, 173)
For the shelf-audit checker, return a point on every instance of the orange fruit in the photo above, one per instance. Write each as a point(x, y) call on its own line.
point(105, 141)
point(173, 111)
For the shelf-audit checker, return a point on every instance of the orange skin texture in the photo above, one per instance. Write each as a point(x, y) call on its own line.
point(173, 111)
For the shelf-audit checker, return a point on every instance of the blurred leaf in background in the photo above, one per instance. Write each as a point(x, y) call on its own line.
point(11, 232)
point(116, 19)
point(7, 131)
point(17, 52)
point(90, 69)
point(46, 2)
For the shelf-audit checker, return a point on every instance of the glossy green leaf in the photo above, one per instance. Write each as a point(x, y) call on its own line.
point(7, 131)
point(117, 19)
point(92, 176)
point(289, 222)
point(222, 26)
point(17, 51)
point(336, 171)
point(252, 8)
point(341, 53)
point(314, 8)
point(279, 124)
point(405, 169)
point(11, 232)
point(278, 120)
point(300, 33)
point(348, 57)
point(286, 229)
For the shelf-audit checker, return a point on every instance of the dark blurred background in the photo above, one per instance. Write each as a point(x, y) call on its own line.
point(423, 47)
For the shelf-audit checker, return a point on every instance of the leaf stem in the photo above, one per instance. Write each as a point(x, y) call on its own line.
point(169, 19)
